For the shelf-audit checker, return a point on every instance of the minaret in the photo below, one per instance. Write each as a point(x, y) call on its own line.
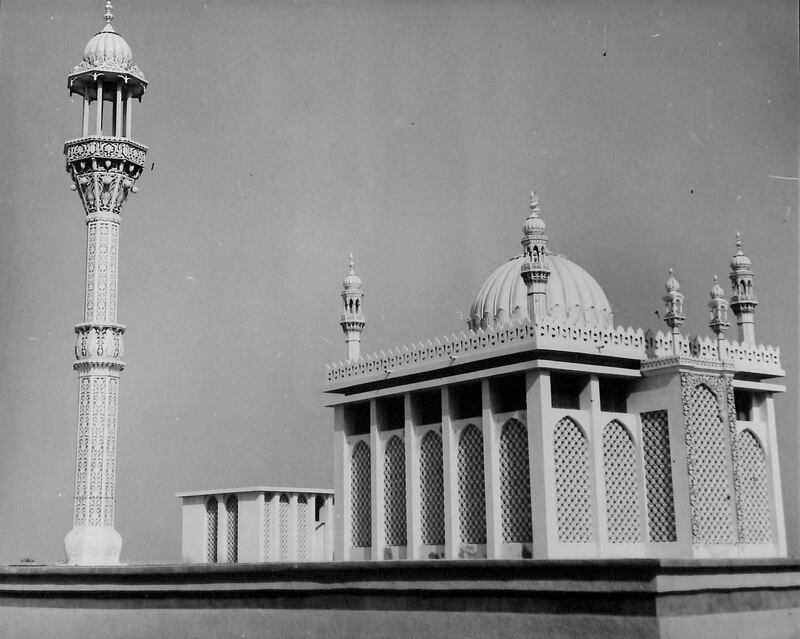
point(104, 164)
point(673, 312)
point(535, 271)
point(743, 300)
point(719, 314)
point(353, 317)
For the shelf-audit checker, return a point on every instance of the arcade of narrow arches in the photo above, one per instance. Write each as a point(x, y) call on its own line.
point(545, 431)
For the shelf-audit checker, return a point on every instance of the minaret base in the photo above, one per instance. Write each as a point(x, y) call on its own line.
point(93, 546)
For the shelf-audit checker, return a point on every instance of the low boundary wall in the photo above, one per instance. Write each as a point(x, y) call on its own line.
point(464, 599)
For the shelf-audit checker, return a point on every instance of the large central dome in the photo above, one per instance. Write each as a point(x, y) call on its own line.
point(572, 294)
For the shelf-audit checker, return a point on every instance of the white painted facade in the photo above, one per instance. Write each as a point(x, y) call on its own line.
point(547, 432)
point(257, 524)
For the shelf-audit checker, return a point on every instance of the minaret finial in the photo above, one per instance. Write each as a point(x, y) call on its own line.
point(352, 264)
point(108, 15)
point(535, 270)
point(743, 301)
point(534, 204)
point(719, 315)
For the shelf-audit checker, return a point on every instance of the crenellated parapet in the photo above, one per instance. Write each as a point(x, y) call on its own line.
point(547, 334)
point(666, 349)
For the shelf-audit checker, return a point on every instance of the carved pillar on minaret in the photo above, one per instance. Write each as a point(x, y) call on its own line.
point(743, 300)
point(352, 321)
point(104, 168)
point(673, 310)
point(535, 270)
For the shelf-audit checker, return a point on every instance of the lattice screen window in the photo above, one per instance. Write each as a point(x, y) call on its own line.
point(515, 482)
point(394, 488)
point(361, 495)
point(232, 512)
point(471, 487)
point(573, 495)
point(431, 472)
point(756, 523)
point(268, 527)
point(623, 500)
point(302, 528)
point(658, 477)
point(211, 530)
point(709, 470)
point(283, 528)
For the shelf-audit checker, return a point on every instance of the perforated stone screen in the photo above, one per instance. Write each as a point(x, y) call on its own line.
point(302, 528)
point(283, 527)
point(623, 499)
point(431, 479)
point(658, 477)
point(232, 512)
point(267, 527)
point(756, 514)
point(360, 492)
point(211, 530)
point(471, 487)
point(573, 497)
point(394, 486)
point(709, 470)
point(515, 483)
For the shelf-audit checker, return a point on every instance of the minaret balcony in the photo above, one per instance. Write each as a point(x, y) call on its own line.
point(101, 147)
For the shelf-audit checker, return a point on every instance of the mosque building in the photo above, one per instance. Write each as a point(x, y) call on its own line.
point(545, 431)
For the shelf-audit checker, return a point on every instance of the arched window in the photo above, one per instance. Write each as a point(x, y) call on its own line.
point(302, 528)
point(471, 487)
point(709, 470)
point(361, 496)
point(431, 472)
point(515, 483)
point(623, 501)
point(268, 527)
point(394, 486)
point(283, 525)
point(232, 511)
point(211, 530)
point(573, 495)
point(756, 524)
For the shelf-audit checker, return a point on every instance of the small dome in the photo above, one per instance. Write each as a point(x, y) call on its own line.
point(716, 290)
point(572, 294)
point(108, 50)
point(672, 283)
point(351, 280)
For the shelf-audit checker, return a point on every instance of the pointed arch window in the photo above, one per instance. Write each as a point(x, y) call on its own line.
point(361, 496)
point(302, 528)
point(623, 498)
point(515, 483)
point(756, 522)
point(471, 486)
point(573, 492)
point(283, 524)
point(431, 471)
point(394, 486)
point(232, 512)
point(211, 530)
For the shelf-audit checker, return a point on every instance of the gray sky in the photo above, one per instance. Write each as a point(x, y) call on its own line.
point(283, 135)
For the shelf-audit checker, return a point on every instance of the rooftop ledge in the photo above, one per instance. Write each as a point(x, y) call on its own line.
point(651, 350)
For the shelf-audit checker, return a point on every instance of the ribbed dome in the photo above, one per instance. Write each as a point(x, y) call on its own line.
point(107, 50)
point(571, 294)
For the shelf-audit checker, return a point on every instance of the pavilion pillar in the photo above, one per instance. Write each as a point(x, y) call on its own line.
point(413, 530)
point(540, 454)
point(452, 530)
point(377, 497)
point(494, 533)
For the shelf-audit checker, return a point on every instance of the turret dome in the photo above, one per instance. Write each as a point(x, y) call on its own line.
point(572, 294)
point(108, 50)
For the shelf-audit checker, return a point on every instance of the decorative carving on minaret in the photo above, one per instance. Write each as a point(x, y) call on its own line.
point(352, 321)
point(743, 300)
point(104, 164)
point(535, 270)
point(673, 310)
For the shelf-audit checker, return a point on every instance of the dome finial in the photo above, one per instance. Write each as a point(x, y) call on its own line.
point(108, 15)
point(534, 204)
point(352, 264)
